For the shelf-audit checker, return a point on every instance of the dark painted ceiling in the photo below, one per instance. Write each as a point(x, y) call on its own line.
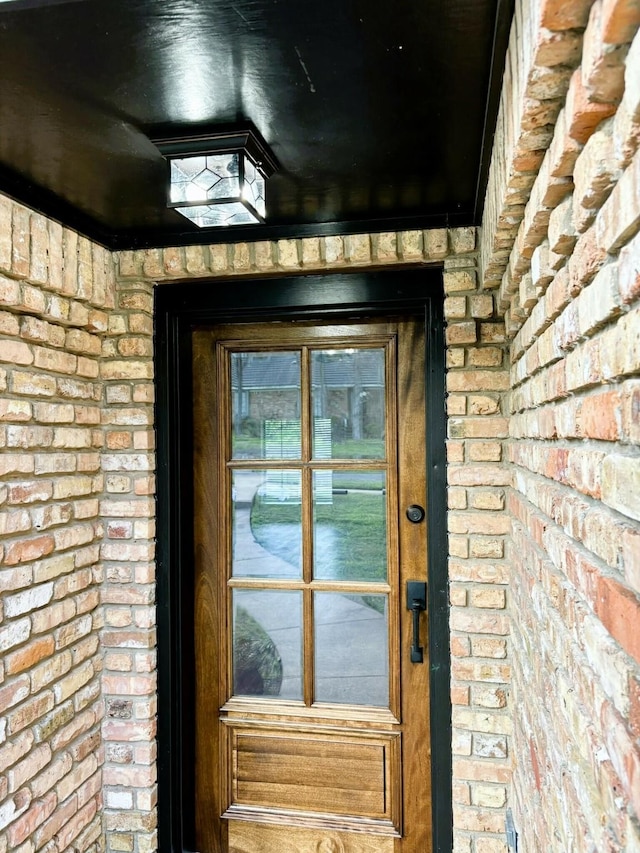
point(380, 112)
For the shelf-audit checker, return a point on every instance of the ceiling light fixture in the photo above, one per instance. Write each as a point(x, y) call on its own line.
point(218, 179)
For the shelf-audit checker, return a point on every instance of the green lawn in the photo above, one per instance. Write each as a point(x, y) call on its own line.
point(250, 447)
point(350, 535)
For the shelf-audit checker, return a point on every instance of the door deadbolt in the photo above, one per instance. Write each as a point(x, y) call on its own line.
point(415, 513)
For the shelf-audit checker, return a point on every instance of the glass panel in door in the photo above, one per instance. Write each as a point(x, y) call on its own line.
point(348, 403)
point(297, 520)
point(265, 405)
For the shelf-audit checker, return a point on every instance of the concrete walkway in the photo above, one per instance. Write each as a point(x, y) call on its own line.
point(350, 637)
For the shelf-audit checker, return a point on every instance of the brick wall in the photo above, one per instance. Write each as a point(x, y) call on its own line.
point(77, 628)
point(127, 509)
point(561, 243)
point(56, 291)
point(556, 441)
point(477, 379)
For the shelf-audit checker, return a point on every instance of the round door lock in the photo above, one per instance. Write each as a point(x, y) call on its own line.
point(415, 513)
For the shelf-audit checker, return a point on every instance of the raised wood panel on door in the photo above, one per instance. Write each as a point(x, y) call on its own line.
point(297, 776)
point(249, 837)
point(311, 772)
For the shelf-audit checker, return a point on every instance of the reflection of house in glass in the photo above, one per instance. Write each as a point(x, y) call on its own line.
point(347, 389)
point(265, 386)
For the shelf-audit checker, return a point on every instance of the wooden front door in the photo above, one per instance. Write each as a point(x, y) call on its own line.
point(312, 665)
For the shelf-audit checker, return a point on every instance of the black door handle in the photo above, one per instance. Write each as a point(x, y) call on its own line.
point(416, 603)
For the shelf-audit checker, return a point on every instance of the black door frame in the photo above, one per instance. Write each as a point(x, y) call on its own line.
point(181, 306)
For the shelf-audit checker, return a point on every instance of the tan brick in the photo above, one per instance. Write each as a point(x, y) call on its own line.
point(311, 256)
point(79, 341)
point(461, 333)
point(485, 356)
point(485, 451)
point(219, 258)
point(386, 246)
point(173, 261)
point(264, 254)
point(358, 248)
point(556, 48)
point(195, 263)
point(30, 711)
point(435, 243)
point(602, 63)
point(482, 306)
point(492, 333)
point(241, 257)
point(33, 329)
point(21, 261)
point(26, 769)
point(14, 633)
point(456, 404)
point(489, 647)
point(587, 259)
point(459, 280)
point(126, 370)
point(6, 233)
point(595, 176)
point(59, 767)
point(16, 352)
point(455, 307)
point(488, 598)
point(54, 360)
point(621, 484)
point(629, 271)
point(562, 232)
point(477, 380)
point(15, 410)
point(619, 218)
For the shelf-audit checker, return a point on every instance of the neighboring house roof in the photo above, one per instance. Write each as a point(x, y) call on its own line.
point(262, 372)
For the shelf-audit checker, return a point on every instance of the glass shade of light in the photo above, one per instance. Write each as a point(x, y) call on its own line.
point(217, 189)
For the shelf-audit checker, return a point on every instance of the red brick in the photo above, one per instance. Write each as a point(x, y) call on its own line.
point(564, 14)
point(485, 771)
point(602, 64)
point(620, 20)
point(599, 416)
point(15, 749)
point(584, 114)
point(26, 825)
point(588, 257)
point(62, 815)
point(15, 691)
point(619, 610)
point(29, 655)
point(30, 549)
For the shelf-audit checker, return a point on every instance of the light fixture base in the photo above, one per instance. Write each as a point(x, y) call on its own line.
point(218, 179)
